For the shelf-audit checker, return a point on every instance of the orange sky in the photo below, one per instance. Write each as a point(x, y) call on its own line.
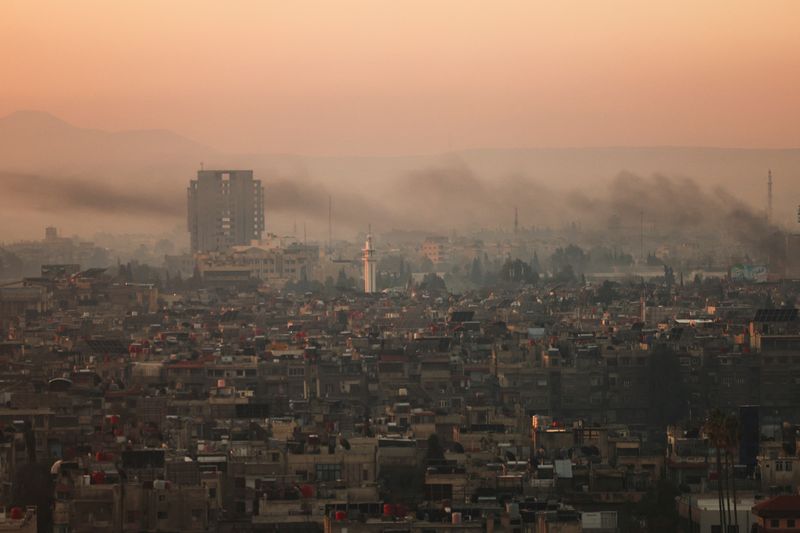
point(385, 77)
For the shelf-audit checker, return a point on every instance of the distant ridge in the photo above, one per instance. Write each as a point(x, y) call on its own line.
point(160, 162)
point(37, 141)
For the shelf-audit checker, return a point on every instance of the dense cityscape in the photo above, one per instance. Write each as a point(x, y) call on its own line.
point(367, 266)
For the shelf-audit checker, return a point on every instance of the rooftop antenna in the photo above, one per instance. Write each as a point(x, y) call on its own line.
point(201, 165)
point(305, 237)
point(769, 195)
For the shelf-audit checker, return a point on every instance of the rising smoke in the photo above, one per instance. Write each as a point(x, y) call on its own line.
point(82, 196)
point(436, 199)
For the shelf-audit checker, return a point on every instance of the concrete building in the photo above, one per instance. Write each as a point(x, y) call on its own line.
point(435, 249)
point(274, 265)
point(781, 513)
point(226, 208)
point(701, 513)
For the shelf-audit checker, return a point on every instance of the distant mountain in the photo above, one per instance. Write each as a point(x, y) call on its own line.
point(457, 189)
point(36, 141)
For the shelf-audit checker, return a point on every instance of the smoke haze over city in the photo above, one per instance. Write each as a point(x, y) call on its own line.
point(509, 97)
point(372, 266)
point(54, 169)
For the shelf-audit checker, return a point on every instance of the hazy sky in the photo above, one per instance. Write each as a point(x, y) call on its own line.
point(375, 77)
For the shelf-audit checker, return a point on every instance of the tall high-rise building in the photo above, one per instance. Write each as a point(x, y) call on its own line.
point(370, 267)
point(226, 208)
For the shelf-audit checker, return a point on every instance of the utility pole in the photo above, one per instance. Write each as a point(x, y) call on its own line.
point(769, 195)
point(516, 221)
point(330, 224)
point(641, 236)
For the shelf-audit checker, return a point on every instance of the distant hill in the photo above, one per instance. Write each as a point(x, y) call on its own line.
point(469, 187)
point(39, 141)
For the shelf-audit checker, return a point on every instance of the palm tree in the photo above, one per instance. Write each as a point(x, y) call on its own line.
point(734, 435)
point(715, 430)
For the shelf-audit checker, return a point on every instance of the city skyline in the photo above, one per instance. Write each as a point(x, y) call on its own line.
point(53, 170)
point(368, 266)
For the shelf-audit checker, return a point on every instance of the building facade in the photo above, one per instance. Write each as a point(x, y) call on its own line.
point(370, 266)
point(226, 208)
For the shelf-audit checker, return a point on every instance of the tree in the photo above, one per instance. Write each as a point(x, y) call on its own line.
point(715, 428)
point(652, 260)
point(433, 283)
point(607, 292)
point(426, 265)
point(565, 274)
point(669, 281)
point(516, 271)
point(475, 272)
point(733, 437)
point(535, 266)
point(343, 282)
point(572, 256)
point(303, 286)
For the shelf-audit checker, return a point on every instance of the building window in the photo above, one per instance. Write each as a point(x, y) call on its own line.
point(436, 492)
point(774, 523)
point(328, 472)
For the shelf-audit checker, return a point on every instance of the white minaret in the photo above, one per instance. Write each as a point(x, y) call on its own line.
point(369, 265)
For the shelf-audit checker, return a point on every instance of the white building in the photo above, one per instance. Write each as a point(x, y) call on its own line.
point(700, 512)
point(370, 267)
